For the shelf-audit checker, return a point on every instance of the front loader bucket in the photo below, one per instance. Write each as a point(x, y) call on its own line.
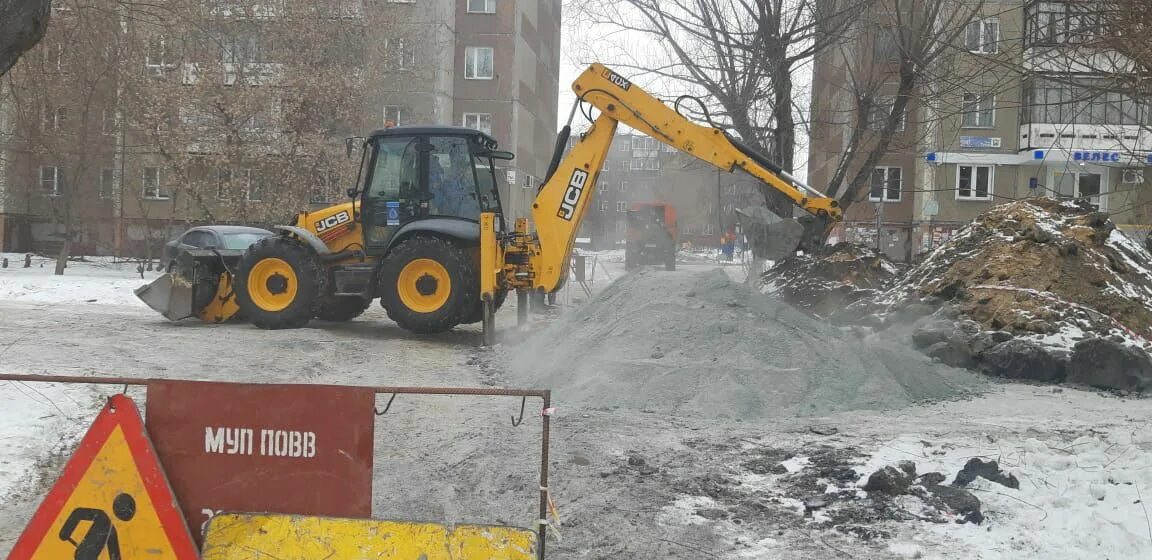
point(169, 295)
point(200, 285)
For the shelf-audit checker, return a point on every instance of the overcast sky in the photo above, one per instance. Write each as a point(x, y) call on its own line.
point(580, 43)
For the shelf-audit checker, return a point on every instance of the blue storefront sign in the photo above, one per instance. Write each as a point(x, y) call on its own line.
point(1096, 156)
point(979, 142)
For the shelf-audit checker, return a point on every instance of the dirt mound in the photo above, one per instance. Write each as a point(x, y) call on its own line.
point(830, 278)
point(1046, 278)
point(702, 345)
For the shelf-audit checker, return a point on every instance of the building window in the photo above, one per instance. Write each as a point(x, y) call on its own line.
point(108, 122)
point(401, 53)
point(324, 187)
point(709, 229)
point(50, 180)
point(223, 184)
point(621, 206)
point(481, 6)
point(478, 63)
point(1059, 103)
point(601, 187)
point(1081, 185)
point(1056, 23)
point(107, 182)
point(150, 181)
point(974, 182)
point(244, 48)
point(979, 110)
point(879, 111)
point(604, 206)
point(983, 36)
point(156, 55)
point(623, 186)
point(255, 190)
point(394, 115)
point(479, 121)
point(885, 45)
point(54, 118)
point(621, 227)
point(885, 187)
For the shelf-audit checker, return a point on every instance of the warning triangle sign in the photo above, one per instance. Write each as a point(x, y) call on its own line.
point(112, 502)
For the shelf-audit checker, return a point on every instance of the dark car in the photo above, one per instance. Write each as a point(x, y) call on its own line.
point(232, 238)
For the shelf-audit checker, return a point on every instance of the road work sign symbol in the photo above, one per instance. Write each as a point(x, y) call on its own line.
point(112, 501)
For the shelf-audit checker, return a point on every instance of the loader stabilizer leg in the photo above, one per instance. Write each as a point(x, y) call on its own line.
point(491, 268)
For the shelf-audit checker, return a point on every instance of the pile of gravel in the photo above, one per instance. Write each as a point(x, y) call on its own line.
point(698, 344)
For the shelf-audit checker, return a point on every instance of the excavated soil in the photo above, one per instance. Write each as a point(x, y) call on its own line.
point(831, 278)
point(702, 345)
point(1044, 267)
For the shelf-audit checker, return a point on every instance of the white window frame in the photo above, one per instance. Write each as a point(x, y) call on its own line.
point(478, 119)
point(621, 226)
point(976, 101)
point(248, 188)
point(880, 109)
point(887, 178)
point(601, 187)
point(488, 8)
point(472, 60)
point(986, 32)
point(399, 114)
point(106, 187)
point(54, 118)
point(150, 62)
point(108, 122)
point(55, 190)
point(974, 171)
point(401, 53)
point(621, 206)
point(159, 190)
point(605, 206)
point(623, 186)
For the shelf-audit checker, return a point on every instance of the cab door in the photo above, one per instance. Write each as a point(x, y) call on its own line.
point(397, 188)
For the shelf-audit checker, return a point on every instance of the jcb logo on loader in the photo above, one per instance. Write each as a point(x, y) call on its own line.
point(572, 195)
point(617, 79)
point(332, 221)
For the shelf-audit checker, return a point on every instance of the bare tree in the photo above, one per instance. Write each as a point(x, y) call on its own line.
point(62, 103)
point(897, 61)
point(22, 25)
point(739, 55)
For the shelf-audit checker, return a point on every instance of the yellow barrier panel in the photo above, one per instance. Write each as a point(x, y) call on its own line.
point(258, 536)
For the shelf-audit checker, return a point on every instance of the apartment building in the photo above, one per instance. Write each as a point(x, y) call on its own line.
point(1036, 114)
point(237, 110)
point(640, 169)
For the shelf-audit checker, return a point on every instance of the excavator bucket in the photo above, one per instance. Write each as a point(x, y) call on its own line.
point(200, 285)
point(774, 238)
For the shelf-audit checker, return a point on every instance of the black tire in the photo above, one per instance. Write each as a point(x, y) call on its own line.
point(306, 272)
point(342, 308)
point(459, 303)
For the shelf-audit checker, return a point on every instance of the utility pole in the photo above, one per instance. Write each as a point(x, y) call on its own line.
point(719, 204)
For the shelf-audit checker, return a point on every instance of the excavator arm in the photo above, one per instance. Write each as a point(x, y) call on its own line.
point(564, 199)
point(538, 261)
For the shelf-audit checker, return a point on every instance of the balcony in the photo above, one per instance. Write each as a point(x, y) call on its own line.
point(1086, 137)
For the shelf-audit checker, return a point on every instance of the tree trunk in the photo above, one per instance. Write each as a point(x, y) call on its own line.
point(62, 258)
point(22, 25)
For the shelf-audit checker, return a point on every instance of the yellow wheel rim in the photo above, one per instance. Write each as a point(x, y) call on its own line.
point(424, 285)
point(272, 284)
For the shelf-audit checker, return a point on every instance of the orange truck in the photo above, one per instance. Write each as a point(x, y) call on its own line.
point(651, 235)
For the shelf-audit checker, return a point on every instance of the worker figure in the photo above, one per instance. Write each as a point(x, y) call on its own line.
point(101, 533)
point(728, 244)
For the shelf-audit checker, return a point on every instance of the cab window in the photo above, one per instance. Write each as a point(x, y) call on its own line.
point(451, 178)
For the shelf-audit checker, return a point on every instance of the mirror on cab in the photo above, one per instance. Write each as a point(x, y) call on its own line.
point(497, 154)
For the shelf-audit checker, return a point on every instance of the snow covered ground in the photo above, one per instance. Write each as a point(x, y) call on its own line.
point(99, 280)
point(1084, 459)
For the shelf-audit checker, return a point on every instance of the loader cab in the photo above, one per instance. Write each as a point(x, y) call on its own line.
point(437, 178)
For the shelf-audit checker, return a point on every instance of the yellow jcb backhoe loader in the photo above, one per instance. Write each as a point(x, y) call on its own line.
point(425, 232)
